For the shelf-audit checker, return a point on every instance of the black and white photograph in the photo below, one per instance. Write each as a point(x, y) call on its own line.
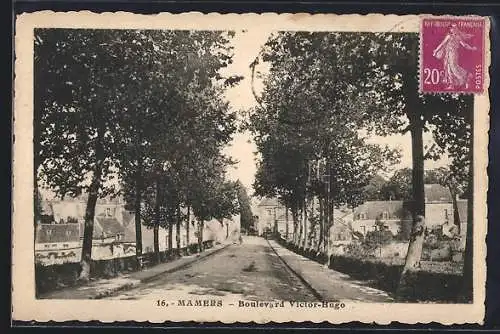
point(244, 169)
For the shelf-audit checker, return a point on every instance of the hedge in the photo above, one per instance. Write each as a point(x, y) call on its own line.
point(421, 285)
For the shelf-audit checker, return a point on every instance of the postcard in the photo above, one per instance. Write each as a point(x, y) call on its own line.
point(244, 168)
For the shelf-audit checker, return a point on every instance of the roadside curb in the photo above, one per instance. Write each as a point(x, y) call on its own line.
point(314, 291)
point(110, 292)
point(130, 285)
point(327, 284)
point(200, 256)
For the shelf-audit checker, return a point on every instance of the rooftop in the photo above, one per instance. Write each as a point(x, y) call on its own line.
point(49, 233)
point(108, 226)
point(374, 209)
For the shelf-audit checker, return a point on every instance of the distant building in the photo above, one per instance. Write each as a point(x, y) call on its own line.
point(394, 214)
point(270, 210)
point(387, 213)
point(57, 236)
point(61, 227)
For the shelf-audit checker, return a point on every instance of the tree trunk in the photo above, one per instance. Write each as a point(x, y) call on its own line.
point(456, 217)
point(321, 227)
point(418, 204)
point(178, 230)
point(156, 242)
point(227, 231)
point(187, 226)
point(93, 194)
point(137, 209)
point(156, 226)
point(200, 235)
point(170, 237)
point(301, 228)
point(304, 243)
point(295, 218)
point(330, 222)
point(287, 230)
point(418, 212)
point(312, 226)
point(467, 286)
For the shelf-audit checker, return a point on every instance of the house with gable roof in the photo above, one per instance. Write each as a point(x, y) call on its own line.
point(393, 214)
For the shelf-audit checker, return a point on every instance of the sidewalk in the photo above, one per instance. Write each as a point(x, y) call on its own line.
point(331, 285)
point(105, 287)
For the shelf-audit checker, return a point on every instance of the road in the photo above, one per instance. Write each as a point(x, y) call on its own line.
point(250, 271)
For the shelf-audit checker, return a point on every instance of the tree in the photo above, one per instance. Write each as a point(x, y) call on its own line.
point(215, 198)
point(309, 117)
point(373, 190)
point(185, 110)
point(246, 215)
point(76, 84)
point(392, 87)
point(399, 186)
point(106, 100)
point(378, 73)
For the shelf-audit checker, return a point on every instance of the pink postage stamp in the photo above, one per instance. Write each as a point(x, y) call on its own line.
point(452, 55)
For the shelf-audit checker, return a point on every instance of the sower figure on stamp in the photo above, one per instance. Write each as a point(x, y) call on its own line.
point(455, 75)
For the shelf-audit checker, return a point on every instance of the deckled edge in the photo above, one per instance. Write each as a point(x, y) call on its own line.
point(25, 19)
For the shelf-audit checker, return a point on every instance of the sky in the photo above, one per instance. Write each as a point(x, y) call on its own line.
point(246, 47)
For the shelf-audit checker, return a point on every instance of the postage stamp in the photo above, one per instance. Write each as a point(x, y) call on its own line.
point(452, 55)
point(249, 168)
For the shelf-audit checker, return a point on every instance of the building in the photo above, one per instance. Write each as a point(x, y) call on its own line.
point(270, 210)
point(61, 226)
point(386, 213)
point(60, 229)
point(57, 236)
point(396, 215)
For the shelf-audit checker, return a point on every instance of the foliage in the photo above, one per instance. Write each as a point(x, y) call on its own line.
point(310, 116)
point(398, 187)
point(378, 237)
point(246, 215)
point(144, 107)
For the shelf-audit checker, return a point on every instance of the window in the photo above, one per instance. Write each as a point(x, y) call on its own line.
point(49, 232)
point(108, 212)
point(385, 215)
point(362, 215)
point(46, 246)
point(65, 245)
point(446, 216)
point(269, 212)
point(363, 229)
